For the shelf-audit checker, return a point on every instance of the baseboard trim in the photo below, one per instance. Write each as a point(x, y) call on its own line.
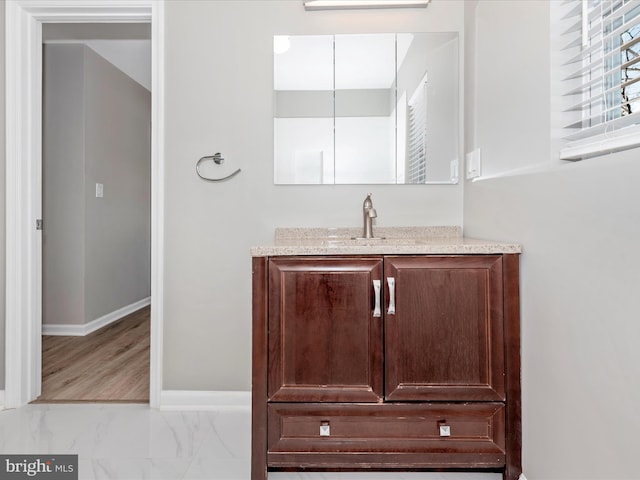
point(92, 326)
point(204, 400)
point(1, 399)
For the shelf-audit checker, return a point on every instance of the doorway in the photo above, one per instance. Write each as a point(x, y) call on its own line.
point(96, 210)
point(23, 313)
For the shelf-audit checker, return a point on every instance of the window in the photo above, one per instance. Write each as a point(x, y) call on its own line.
point(601, 80)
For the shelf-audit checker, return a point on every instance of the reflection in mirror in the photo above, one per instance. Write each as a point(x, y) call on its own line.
point(303, 110)
point(365, 119)
point(427, 93)
point(366, 109)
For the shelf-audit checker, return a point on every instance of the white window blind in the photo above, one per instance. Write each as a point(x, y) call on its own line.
point(602, 45)
point(416, 171)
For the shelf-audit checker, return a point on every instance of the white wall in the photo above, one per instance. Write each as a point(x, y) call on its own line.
point(2, 194)
point(125, 45)
point(96, 130)
point(118, 155)
point(63, 184)
point(133, 57)
point(579, 227)
point(512, 84)
point(219, 99)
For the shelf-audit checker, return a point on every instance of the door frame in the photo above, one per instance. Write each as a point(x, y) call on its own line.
point(23, 189)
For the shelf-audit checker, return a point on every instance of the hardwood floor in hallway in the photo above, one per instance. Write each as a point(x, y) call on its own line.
point(108, 365)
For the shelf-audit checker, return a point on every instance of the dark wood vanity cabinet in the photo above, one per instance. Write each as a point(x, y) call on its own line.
point(386, 362)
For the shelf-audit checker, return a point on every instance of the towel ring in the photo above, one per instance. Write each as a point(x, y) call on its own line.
point(218, 160)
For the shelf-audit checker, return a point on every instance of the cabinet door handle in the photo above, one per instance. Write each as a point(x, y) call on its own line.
point(391, 281)
point(376, 291)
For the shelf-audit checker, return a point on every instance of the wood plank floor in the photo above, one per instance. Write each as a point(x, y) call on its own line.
point(108, 365)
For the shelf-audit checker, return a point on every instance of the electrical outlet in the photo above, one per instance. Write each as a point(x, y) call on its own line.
point(99, 190)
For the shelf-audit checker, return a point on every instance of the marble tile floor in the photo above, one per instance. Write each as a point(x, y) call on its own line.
point(134, 442)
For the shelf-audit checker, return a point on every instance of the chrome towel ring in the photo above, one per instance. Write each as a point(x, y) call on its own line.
point(218, 160)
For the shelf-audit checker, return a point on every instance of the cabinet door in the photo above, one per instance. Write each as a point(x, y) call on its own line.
point(325, 344)
point(445, 340)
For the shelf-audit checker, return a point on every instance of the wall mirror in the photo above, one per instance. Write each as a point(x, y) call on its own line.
point(366, 109)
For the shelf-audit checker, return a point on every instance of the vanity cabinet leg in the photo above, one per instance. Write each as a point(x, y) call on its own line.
point(258, 472)
point(511, 474)
point(511, 275)
point(258, 455)
point(259, 371)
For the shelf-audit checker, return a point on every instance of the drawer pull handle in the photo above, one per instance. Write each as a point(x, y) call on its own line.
point(445, 430)
point(391, 281)
point(325, 429)
point(376, 291)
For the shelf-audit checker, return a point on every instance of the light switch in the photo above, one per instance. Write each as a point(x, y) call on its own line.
point(453, 166)
point(99, 190)
point(473, 163)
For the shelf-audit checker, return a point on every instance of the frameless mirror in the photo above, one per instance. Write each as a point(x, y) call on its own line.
point(366, 109)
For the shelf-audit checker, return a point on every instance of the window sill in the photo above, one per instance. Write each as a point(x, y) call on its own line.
point(602, 144)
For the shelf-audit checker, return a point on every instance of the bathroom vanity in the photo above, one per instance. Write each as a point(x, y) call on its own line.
point(398, 353)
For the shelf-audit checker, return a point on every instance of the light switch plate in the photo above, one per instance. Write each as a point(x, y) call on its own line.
point(99, 190)
point(453, 165)
point(473, 164)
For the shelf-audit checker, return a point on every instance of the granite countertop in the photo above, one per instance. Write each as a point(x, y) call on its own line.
point(391, 241)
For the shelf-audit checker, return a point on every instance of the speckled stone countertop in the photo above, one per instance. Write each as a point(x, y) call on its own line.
point(390, 241)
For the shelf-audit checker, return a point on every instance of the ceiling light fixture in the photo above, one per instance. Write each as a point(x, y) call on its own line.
point(355, 4)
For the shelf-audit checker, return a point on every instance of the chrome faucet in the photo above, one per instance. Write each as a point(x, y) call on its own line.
point(369, 213)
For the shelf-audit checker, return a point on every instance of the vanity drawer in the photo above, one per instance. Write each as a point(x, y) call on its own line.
point(386, 435)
